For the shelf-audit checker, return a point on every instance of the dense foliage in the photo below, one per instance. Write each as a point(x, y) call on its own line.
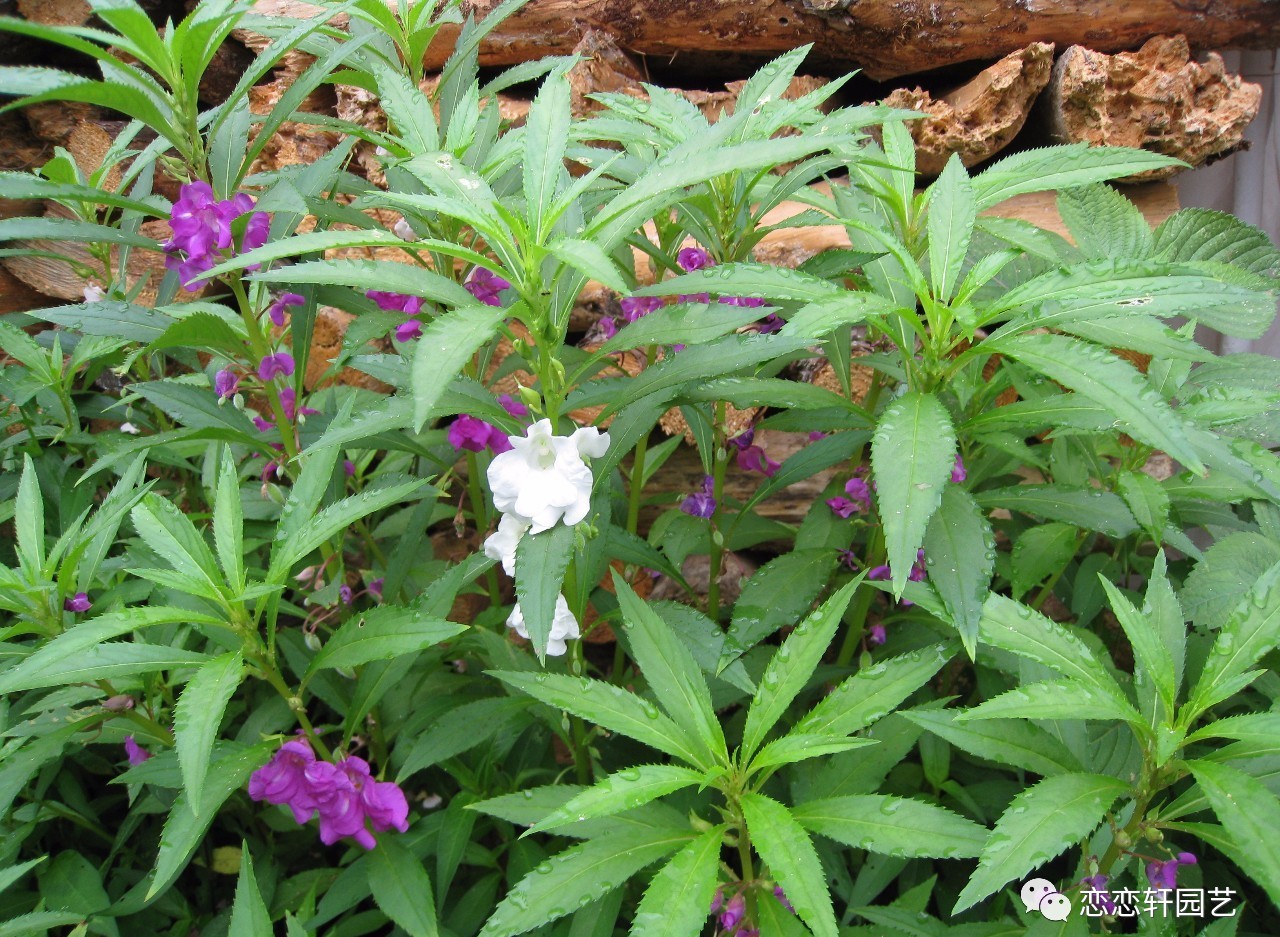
point(295, 654)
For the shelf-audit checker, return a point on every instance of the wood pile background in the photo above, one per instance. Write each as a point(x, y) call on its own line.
point(992, 76)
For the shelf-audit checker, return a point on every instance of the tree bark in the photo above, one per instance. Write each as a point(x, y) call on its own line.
point(1157, 98)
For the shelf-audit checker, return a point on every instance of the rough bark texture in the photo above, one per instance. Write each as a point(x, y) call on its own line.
point(1156, 98)
point(982, 116)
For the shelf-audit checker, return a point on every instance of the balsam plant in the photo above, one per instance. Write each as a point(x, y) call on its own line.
point(257, 594)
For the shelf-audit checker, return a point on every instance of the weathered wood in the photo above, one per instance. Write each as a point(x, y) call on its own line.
point(1157, 98)
point(886, 38)
point(982, 116)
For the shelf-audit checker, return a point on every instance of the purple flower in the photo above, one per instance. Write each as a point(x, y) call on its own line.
point(202, 232)
point(338, 803)
point(958, 473)
point(1096, 896)
point(782, 898)
point(396, 302)
point(717, 900)
point(879, 572)
point(694, 298)
point(408, 331)
point(470, 433)
point(283, 779)
point(743, 439)
point(753, 459)
point(637, 307)
point(842, 507)
point(375, 588)
point(276, 310)
point(918, 570)
point(1164, 875)
point(225, 384)
point(690, 259)
point(701, 503)
point(289, 404)
point(770, 324)
point(849, 559)
point(344, 594)
point(269, 472)
point(1187, 858)
point(263, 425)
point(734, 911)
point(77, 603)
point(485, 285)
point(816, 434)
point(134, 752)
point(876, 635)
point(348, 467)
point(512, 406)
point(383, 801)
point(748, 302)
point(608, 327)
point(859, 492)
point(280, 364)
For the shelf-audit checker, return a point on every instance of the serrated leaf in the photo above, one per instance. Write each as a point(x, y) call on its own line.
point(606, 705)
point(895, 826)
point(618, 792)
point(1013, 742)
point(228, 522)
point(1110, 382)
point(1252, 631)
point(784, 845)
point(1080, 506)
point(792, 748)
point(676, 901)
point(541, 562)
point(590, 260)
point(1250, 813)
point(683, 323)
point(576, 877)
point(1103, 223)
point(792, 666)
point(546, 136)
point(197, 716)
point(249, 916)
point(1038, 825)
point(380, 634)
point(776, 594)
point(873, 692)
point(824, 316)
point(1053, 700)
point(959, 547)
point(953, 208)
point(461, 729)
point(402, 888)
point(446, 345)
point(763, 281)
point(1152, 657)
point(1039, 552)
point(1062, 167)
point(1200, 234)
point(104, 661)
point(198, 408)
point(912, 454)
point(1228, 570)
point(672, 674)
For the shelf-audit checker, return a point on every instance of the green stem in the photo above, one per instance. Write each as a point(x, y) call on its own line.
point(1053, 580)
point(861, 606)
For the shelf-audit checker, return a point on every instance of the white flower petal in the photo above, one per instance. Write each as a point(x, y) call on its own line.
point(501, 544)
point(563, 627)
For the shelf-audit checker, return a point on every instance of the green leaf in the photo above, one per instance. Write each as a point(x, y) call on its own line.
point(1148, 502)
point(407, 107)
point(172, 536)
point(69, 229)
point(197, 407)
point(203, 330)
point(792, 666)
point(546, 136)
point(959, 547)
point(1110, 382)
point(1040, 552)
point(873, 692)
point(102, 662)
point(1013, 742)
point(401, 888)
point(800, 747)
point(380, 634)
point(912, 454)
point(1080, 506)
point(682, 323)
point(777, 594)
point(228, 522)
point(676, 901)
point(578, 876)
point(672, 674)
point(1229, 570)
point(184, 829)
point(71, 882)
point(446, 345)
point(541, 562)
point(197, 716)
point(606, 705)
point(590, 260)
point(953, 208)
point(1062, 167)
point(784, 845)
point(461, 729)
point(28, 521)
point(1252, 631)
point(894, 826)
point(1199, 234)
point(249, 916)
point(1039, 824)
point(623, 790)
point(824, 316)
point(1250, 813)
point(109, 318)
point(1051, 700)
point(227, 147)
point(1103, 223)
point(760, 281)
point(1152, 657)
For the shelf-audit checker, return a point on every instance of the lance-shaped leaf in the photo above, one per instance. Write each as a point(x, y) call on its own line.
point(623, 790)
point(1061, 167)
point(912, 453)
point(380, 634)
point(960, 550)
point(1153, 660)
point(249, 916)
point(953, 209)
point(764, 281)
point(541, 562)
point(1250, 814)
point(894, 826)
point(676, 901)
point(786, 847)
point(197, 716)
point(1013, 742)
point(1051, 699)
point(775, 595)
point(1039, 824)
point(1252, 630)
point(446, 345)
point(402, 888)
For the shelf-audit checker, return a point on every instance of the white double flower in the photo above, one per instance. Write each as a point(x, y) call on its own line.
point(541, 481)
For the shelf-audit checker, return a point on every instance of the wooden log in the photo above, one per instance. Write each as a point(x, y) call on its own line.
point(1157, 98)
point(886, 38)
point(982, 116)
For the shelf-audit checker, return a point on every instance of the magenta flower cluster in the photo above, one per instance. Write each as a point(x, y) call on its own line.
point(750, 457)
point(701, 503)
point(346, 797)
point(411, 306)
point(204, 235)
point(731, 914)
point(1164, 875)
point(485, 285)
point(856, 499)
point(77, 603)
point(275, 312)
